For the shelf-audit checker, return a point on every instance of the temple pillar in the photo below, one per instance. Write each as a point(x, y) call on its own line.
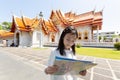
point(41, 40)
point(97, 40)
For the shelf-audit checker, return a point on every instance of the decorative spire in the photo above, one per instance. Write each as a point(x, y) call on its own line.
point(41, 14)
point(103, 8)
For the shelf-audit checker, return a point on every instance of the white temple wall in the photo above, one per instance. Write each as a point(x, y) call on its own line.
point(25, 39)
point(37, 39)
point(7, 40)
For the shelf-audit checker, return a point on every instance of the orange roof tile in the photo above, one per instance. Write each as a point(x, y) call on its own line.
point(27, 21)
point(62, 18)
point(69, 18)
point(35, 23)
point(55, 18)
point(19, 22)
point(4, 34)
point(24, 23)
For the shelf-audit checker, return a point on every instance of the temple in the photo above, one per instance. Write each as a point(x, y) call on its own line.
point(36, 32)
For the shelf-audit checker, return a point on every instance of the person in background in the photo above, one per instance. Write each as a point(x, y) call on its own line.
point(65, 49)
point(12, 45)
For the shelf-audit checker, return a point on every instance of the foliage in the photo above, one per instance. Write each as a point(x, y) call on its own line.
point(117, 45)
point(104, 38)
point(114, 36)
point(0, 27)
point(5, 25)
point(100, 38)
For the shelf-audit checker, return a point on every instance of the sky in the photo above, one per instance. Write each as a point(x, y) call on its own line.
point(31, 8)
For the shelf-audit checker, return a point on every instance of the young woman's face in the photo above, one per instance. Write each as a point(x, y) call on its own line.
point(69, 40)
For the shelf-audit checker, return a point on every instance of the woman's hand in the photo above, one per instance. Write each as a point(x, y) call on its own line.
point(83, 73)
point(51, 69)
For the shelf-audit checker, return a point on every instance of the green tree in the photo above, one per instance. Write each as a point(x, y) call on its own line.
point(6, 25)
point(100, 38)
point(0, 27)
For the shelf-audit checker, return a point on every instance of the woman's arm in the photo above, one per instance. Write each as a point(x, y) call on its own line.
point(51, 69)
point(83, 73)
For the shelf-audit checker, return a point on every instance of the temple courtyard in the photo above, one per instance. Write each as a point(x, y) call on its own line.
point(29, 64)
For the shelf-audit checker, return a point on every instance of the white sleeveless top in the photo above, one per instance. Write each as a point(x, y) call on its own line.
point(68, 76)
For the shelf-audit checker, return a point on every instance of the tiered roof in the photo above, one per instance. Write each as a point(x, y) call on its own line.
point(24, 23)
point(48, 27)
point(57, 18)
point(28, 24)
point(88, 18)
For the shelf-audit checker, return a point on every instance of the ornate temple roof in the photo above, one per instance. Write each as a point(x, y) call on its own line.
point(24, 23)
point(28, 24)
point(5, 34)
point(57, 17)
point(48, 27)
point(69, 18)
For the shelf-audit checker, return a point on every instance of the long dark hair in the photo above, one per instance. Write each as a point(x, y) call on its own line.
point(61, 44)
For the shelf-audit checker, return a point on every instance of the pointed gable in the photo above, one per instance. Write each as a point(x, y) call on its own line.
point(47, 27)
point(35, 23)
point(55, 18)
point(24, 23)
point(62, 18)
point(13, 26)
point(58, 18)
point(89, 18)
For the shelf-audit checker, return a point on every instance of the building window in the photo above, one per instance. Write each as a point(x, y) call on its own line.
point(85, 35)
point(79, 36)
point(53, 38)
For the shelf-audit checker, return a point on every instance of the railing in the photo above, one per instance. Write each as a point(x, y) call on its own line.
point(85, 44)
point(97, 44)
point(51, 44)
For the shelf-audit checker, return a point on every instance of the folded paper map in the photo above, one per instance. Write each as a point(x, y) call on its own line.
point(73, 66)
